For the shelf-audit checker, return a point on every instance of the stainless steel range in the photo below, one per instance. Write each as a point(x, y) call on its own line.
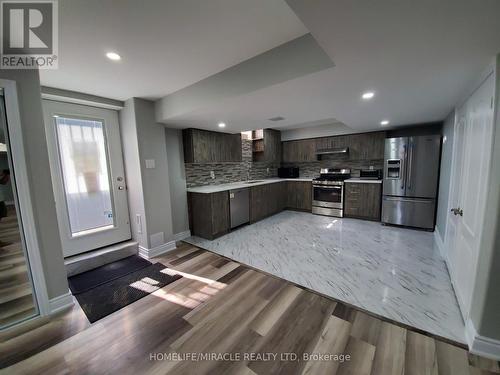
point(328, 192)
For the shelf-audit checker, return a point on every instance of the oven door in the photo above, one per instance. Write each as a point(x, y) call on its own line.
point(328, 196)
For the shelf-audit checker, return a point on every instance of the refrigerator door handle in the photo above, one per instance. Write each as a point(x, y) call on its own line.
point(410, 162)
point(399, 199)
point(403, 168)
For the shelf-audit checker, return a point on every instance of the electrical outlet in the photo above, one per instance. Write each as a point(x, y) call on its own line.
point(212, 175)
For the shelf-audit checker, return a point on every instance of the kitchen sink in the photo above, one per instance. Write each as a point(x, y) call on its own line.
point(253, 181)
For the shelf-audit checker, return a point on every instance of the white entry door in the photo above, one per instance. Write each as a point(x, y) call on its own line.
point(471, 163)
point(87, 175)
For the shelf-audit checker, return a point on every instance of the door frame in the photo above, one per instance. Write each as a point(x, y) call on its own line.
point(22, 188)
point(105, 116)
point(490, 70)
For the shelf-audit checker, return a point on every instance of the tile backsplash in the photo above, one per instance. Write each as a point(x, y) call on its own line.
point(311, 169)
point(198, 174)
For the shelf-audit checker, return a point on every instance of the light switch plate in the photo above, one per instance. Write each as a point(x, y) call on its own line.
point(150, 163)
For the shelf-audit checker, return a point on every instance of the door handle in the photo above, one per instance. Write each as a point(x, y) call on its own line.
point(403, 167)
point(410, 162)
point(457, 211)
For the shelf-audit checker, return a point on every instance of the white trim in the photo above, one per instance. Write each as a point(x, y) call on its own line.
point(155, 251)
point(22, 187)
point(481, 345)
point(439, 243)
point(90, 101)
point(61, 302)
point(182, 235)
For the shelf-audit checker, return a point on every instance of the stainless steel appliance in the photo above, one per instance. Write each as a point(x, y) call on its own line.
point(411, 167)
point(288, 172)
point(239, 206)
point(370, 174)
point(328, 192)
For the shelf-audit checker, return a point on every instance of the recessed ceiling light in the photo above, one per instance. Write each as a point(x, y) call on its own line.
point(222, 125)
point(113, 56)
point(384, 122)
point(368, 95)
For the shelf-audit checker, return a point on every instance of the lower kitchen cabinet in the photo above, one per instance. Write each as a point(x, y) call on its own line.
point(363, 200)
point(299, 195)
point(209, 214)
point(267, 200)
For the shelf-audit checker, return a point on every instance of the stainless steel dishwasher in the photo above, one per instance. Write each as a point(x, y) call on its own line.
point(239, 206)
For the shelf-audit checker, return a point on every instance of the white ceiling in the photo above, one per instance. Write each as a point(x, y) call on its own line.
point(165, 44)
point(420, 57)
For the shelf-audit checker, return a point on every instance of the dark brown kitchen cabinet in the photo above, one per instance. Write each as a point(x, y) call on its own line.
point(268, 149)
point(366, 146)
point(363, 200)
point(266, 200)
point(299, 195)
point(209, 214)
point(203, 146)
point(299, 151)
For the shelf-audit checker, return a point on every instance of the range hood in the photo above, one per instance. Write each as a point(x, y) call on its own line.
point(332, 151)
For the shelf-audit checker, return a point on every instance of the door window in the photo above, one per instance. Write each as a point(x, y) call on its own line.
point(84, 163)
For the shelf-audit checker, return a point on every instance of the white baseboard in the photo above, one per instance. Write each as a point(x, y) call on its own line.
point(155, 251)
point(61, 302)
point(439, 243)
point(182, 235)
point(481, 345)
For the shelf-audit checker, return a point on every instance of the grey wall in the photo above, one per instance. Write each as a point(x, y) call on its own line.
point(445, 174)
point(155, 184)
point(37, 160)
point(485, 310)
point(149, 189)
point(133, 172)
point(177, 180)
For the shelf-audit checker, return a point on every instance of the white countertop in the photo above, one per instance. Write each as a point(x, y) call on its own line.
point(358, 180)
point(239, 185)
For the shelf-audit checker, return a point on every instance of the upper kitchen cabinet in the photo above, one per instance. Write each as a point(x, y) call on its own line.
point(267, 148)
point(366, 146)
point(203, 146)
point(299, 151)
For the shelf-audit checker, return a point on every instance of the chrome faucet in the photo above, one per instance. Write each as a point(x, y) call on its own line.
point(248, 175)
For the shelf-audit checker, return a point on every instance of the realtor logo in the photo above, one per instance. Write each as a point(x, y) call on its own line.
point(29, 34)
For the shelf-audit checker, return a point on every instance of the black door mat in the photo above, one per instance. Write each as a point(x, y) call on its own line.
point(88, 280)
point(116, 294)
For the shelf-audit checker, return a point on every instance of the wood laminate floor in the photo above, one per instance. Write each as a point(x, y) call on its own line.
point(223, 309)
point(16, 299)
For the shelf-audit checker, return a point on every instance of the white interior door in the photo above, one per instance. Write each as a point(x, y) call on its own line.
point(472, 157)
point(88, 176)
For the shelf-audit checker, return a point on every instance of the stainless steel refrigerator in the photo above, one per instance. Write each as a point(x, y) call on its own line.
point(411, 171)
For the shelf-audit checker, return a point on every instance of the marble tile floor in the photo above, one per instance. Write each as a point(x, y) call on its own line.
point(394, 272)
